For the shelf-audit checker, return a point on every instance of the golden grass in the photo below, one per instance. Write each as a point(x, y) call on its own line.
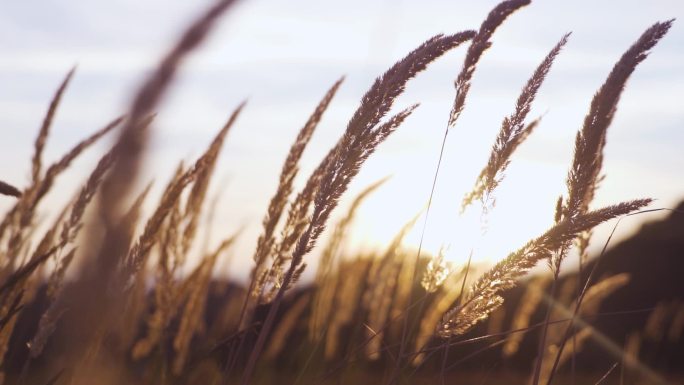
point(129, 316)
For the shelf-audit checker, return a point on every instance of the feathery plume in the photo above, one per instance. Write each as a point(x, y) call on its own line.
point(436, 272)
point(58, 167)
point(591, 139)
point(193, 207)
point(139, 252)
point(364, 133)
point(484, 295)
point(513, 132)
point(37, 161)
point(267, 241)
point(477, 47)
point(129, 148)
point(584, 175)
point(103, 272)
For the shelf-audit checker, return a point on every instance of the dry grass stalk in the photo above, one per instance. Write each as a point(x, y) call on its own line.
point(16, 278)
point(58, 167)
point(405, 287)
point(630, 358)
point(166, 292)
point(132, 140)
point(382, 283)
point(593, 298)
point(325, 282)
point(495, 321)
point(137, 255)
point(289, 171)
point(584, 175)
point(364, 132)
point(347, 296)
point(102, 277)
point(388, 286)
point(442, 301)
point(478, 46)
point(44, 131)
point(484, 295)
point(48, 321)
point(289, 322)
point(436, 272)
point(599, 291)
point(655, 324)
point(341, 229)
point(193, 312)
point(480, 43)
point(386, 283)
point(513, 132)
point(193, 207)
point(20, 288)
point(266, 242)
point(130, 318)
point(130, 219)
point(72, 227)
point(9, 319)
point(8, 189)
point(521, 320)
point(170, 256)
point(21, 215)
point(553, 350)
point(677, 325)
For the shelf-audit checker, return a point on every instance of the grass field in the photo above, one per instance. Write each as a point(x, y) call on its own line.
point(100, 296)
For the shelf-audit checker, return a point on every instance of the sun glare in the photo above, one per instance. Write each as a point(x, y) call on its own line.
point(523, 206)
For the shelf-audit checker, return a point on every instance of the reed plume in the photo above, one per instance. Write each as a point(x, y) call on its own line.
point(484, 294)
point(133, 137)
point(202, 167)
point(364, 133)
point(102, 273)
point(20, 217)
point(513, 132)
point(436, 272)
point(584, 175)
point(267, 240)
point(44, 132)
point(480, 43)
point(58, 167)
point(195, 200)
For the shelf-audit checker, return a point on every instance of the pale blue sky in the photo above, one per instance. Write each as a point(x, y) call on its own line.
point(283, 55)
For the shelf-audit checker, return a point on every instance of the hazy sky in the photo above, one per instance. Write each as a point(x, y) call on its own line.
point(284, 55)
